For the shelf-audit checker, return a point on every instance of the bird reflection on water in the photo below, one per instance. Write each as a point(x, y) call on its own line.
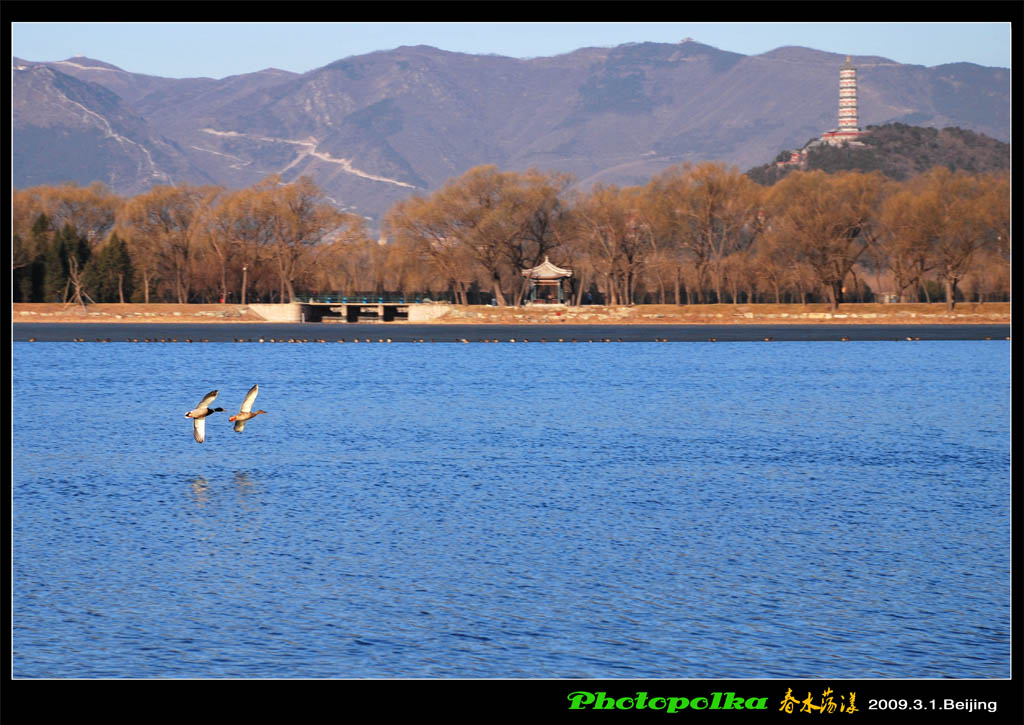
point(243, 484)
point(200, 490)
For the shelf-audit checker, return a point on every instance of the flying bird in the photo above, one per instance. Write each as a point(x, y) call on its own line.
point(246, 413)
point(198, 416)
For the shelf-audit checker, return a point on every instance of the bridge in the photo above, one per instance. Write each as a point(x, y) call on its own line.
point(351, 309)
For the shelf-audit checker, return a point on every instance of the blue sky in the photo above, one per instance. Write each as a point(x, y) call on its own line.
point(216, 50)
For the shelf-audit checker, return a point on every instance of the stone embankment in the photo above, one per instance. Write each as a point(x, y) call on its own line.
point(770, 314)
point(128, 312)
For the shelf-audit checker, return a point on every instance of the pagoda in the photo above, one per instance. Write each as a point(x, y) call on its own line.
point(848, 129)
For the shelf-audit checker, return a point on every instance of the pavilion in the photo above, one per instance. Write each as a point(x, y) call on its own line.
point(546, 283)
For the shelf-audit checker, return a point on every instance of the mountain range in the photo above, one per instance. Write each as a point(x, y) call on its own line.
point(376, 128)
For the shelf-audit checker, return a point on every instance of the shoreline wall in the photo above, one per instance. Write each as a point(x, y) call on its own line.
point(287, 312)
point(446, 314)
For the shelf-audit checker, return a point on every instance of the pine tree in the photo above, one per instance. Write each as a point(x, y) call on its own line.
point(55, 260)
point(78, 259)
point(41, 229)
point(66, 244)
point(122, 268)
point(21, 279)
point(108, 275)
point(96, 277)
point(29, 273)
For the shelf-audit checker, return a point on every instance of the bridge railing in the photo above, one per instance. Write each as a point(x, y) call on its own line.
point(366, 300)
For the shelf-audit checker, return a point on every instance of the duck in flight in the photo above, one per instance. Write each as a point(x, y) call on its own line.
point(246, 412)
point(199, 414)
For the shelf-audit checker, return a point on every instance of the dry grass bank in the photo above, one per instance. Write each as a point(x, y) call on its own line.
point(853, 313)
point(131, 312)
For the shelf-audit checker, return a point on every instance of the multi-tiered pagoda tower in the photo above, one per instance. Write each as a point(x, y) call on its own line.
point(848, 129)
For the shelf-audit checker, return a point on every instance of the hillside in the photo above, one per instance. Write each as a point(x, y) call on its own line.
point(898, 151)
point(376, 128)
point(84, 131)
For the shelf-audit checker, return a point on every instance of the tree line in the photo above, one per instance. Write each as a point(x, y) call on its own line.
point(693, 234)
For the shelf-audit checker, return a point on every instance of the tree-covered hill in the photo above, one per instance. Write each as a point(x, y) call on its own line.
point(896, 150)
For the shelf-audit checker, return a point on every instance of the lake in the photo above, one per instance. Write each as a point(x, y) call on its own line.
point(681, 510)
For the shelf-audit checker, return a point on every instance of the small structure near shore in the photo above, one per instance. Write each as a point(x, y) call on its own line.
point(546, 283)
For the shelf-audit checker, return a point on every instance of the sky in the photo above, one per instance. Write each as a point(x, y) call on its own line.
point(217, 50)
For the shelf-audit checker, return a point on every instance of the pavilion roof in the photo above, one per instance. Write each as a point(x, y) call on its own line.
point(546, 270)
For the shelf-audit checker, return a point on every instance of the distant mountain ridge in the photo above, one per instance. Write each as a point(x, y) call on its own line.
point(87, 129)
point(375, 128)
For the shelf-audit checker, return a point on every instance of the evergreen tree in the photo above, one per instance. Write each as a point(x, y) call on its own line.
point(108, 275)
point(55, 261)
point(28, 278)
point(96, 277)
point(33, 284)
point(20, 273)
point(66, 243)
point(29, 269)
point(123, 271)
point(41, 230)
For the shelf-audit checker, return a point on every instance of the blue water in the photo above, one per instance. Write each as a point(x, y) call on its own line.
point(639, 510)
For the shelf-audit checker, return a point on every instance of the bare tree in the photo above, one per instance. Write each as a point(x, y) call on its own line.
point(503, 222)
point(424, 228)
point(712, 211)
point(77, 295)
point(545, 222)
point(907, 226)
point(963, 225)
point(163, 221)
point(617, 236)
point(92, 210)
point(772, 262)
point(827, 219)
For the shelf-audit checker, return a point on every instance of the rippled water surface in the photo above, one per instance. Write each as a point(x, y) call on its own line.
point(636, 510)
